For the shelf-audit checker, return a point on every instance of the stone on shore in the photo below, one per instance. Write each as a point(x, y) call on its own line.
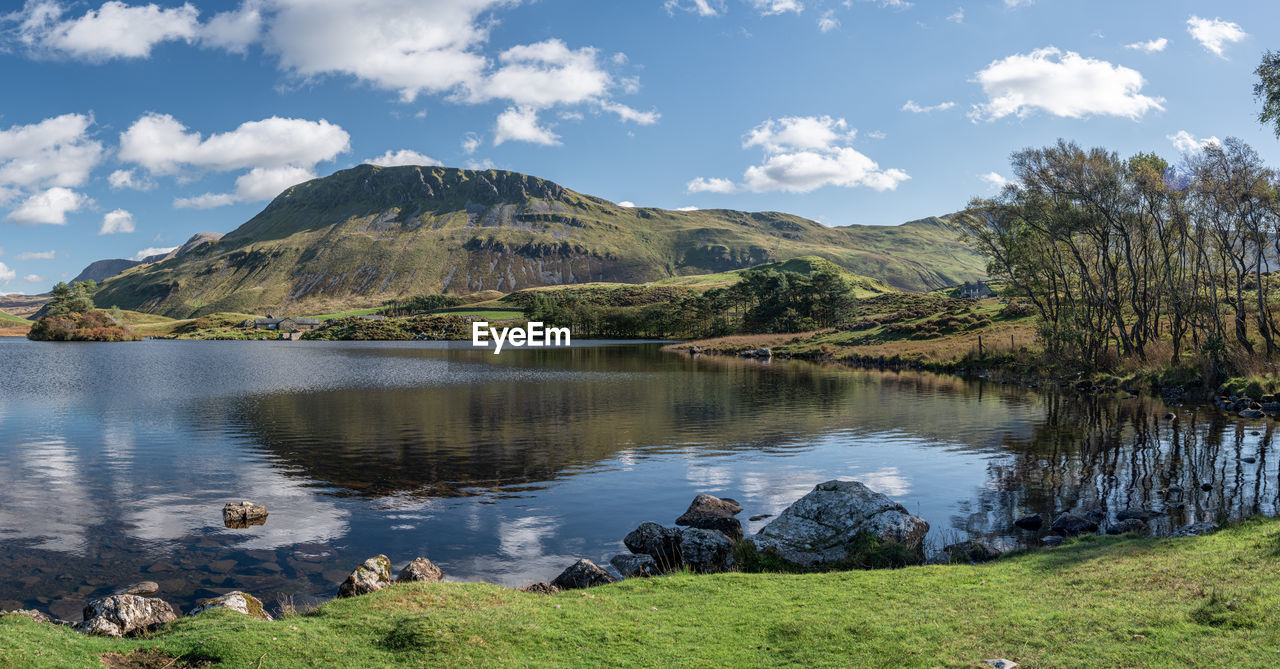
point(540, 588)
point(1069, 525)
point(142, 588)
point(635, 566)
point(244, 514)
point(30, 613)
point(373, 575)
point(713, 513)
point(582, 574)
point(1032, 522)
point(971, 551)
point(706, 551)
point(240, 602)
point(1126, 526)
point(658, 542)
point(125, 615)
point(822, 527)
point(1197, 529)
point(421, 570)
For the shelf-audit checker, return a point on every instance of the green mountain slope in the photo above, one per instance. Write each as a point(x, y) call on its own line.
point(863, 286)
point(372, 233)
point(9, 320)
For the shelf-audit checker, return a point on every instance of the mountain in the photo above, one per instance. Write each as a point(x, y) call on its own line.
point(105, 269)
point(371, 233)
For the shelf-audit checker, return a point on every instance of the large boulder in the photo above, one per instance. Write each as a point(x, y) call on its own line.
point(633, 566)
point(1032, 522)
point(125, 615)
point(658, 542)
point(713, 513)
point(420, 570)
point(582, 574)
point(373, 575)
point(706, 551)
point(244, 514)
point(240, 602)
point(1069, 525)
point(822, 527)
point(1127, 526)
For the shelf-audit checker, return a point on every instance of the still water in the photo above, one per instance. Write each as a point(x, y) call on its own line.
point(116, 459)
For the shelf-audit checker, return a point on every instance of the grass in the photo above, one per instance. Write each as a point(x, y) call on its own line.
point(9, 320)
point(1099, 601)
point(350, 312)
point(486, 314)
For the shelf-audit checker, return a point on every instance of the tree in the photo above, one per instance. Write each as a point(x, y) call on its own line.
point(71, 298)
point(1267, 90)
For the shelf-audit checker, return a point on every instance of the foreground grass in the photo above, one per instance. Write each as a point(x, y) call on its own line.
point(1208, 601)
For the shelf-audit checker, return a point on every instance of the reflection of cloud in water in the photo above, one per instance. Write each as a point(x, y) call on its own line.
point(522, 538)
point(886, 481)
point(42, 497)
point(296, 514)
point(708, 476)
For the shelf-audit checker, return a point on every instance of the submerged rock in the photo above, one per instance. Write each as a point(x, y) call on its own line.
point(635, 566)
point(582, 574)
point(822, 527)
point(1069, 525)
point(125, 615)
point(706, 551)
point(373, 575)
point(141, 588)
point(244, 514)
point(421, 570)
point(658, 542)
point(971, 551)
point(1032, 522)
point(240, 602)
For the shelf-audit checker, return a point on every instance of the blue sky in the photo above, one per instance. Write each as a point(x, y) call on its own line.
point(129, 125)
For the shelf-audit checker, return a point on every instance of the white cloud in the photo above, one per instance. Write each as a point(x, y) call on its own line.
point(1212, 34)
point(767, 7)
point(699, 7)
point(1063, 84)
point(115, 30)
point(206, 201)
point(402, 157)
point(544, 74)
point(712, 185)
point(1188, 143)
point(628, 114)
point(803, 154)
point(54, 152)
point(117, 221)
point(956, 16)
point(914, 108)
point(1018, 3)
point(626, 204)
point(153, 251)
point(33, 278)
point(235, 30)
point(49, 206)
point(122, 179)
point(520, 124)
point(892, 4)
point(995, 180)
point(689, 208)
point(36, 255)
point(828, 21)
point(1149, 46)
point(7, 274)
point(485, 164)
point(470, 143)
point(260, 183)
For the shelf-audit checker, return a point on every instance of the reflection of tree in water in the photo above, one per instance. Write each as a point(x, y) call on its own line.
point(1111, 455)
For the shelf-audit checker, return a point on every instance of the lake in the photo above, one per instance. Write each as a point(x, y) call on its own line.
point(116, 459)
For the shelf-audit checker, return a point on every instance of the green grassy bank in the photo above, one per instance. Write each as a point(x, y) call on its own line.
point(1096, 602)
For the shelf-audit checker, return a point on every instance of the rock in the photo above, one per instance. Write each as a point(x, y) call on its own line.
point(143, 588)
point(706, 551)
point(240, 602)
point(1096, 515)
point(244, 514)
point(1001, 663)
point(1127, 525)
point(1138, 514)
point(731, 528)
point(758, 353)
point(971, 551)
point(1052, 541)
point(1069, 525)
point(30, 613)
point(373, 575)
point(1032, 522)
point(1171, 416)
point(1197, 529)
point(1251, 414)
point(658, 542)
point(125, 615)
point(761, 516)
point(1271, 407)
point(634, 566)
point(582, 574)
point(821, 527)
point(420, 570)
point(708, 506)
point(540, 588)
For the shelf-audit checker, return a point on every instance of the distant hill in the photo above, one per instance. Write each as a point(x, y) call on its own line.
point(862, 285)
point(7, 320)
point(371, 233)
point(102, 270)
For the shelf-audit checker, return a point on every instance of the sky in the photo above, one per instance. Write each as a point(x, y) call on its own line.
point(129, 126)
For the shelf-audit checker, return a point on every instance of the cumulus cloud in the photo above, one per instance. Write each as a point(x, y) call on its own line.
point(544, 74)
point(802, 154)
point(6, 273)
point(520, 124)
point(470, 143)
point(153, 251)
point(49, 206)
point(57, 151)
point(914, 108)
point(1062, 84)
point(1188, 143)
point(117, 221)
point(689, 208)
point(36, 255)
point(627, 204)
point(115, 30)
point(995, 180)
point(1149, 46)
point(235, 30)
point(128, 179)
point(260, 183)
point(1214, 33)
point(402, 157)
point(33, 278)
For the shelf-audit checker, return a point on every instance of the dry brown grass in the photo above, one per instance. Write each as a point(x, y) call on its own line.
point(15, 331)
